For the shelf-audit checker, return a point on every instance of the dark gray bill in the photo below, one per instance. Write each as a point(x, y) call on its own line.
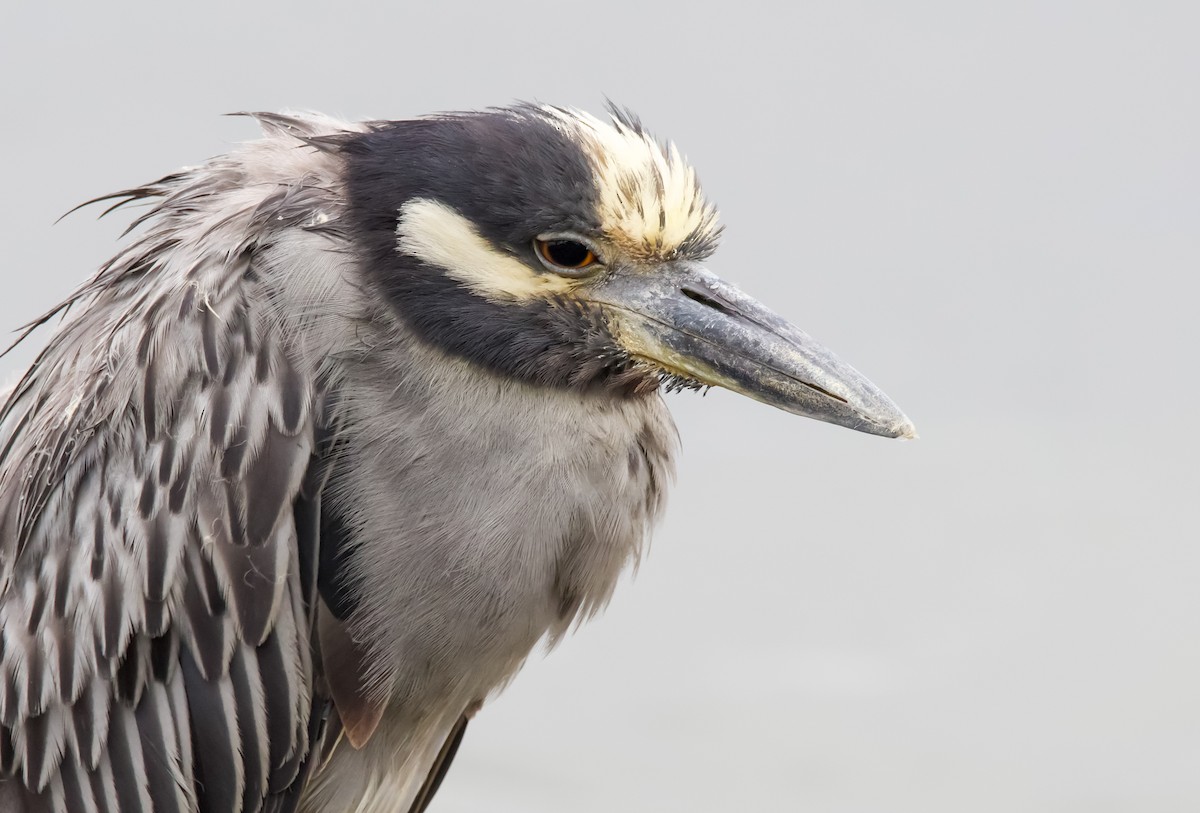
point(689, 322)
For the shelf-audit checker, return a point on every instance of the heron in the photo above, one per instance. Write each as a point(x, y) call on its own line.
point(359, 414)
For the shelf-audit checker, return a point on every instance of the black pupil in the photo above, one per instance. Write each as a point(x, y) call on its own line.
point(567, 253)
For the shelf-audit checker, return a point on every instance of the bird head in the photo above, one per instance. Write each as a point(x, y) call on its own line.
point(549, 246)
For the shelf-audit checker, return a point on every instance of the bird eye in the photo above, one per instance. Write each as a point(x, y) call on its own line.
point(564, 255)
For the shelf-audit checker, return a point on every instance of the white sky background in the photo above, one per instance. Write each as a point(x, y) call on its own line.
point(993, 210)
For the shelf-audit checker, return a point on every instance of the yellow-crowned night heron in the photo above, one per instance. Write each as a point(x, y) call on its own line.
point(364, 412)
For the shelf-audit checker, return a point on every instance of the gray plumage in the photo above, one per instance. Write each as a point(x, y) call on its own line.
point(267, 540)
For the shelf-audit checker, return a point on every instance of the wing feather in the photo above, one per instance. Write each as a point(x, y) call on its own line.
point(219, 774)
point(161, 467)
point(251, 721)
point(77, 790)
point(156, 728)
point(128, 762)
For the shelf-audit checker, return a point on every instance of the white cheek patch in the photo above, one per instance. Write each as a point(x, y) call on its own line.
point(435, 233)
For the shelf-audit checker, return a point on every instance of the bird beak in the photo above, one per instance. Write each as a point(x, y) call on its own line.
point(689, 322)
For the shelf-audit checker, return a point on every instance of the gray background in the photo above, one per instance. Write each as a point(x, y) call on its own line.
point(991, 209)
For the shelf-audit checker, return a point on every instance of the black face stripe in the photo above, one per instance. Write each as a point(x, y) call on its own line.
point(514, 175)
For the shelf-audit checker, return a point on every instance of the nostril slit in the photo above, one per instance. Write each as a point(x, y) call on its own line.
point(720, 307)
point(707, 301)
point(824, 391)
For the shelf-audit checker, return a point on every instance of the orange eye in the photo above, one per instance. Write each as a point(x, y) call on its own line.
point(564, 255)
